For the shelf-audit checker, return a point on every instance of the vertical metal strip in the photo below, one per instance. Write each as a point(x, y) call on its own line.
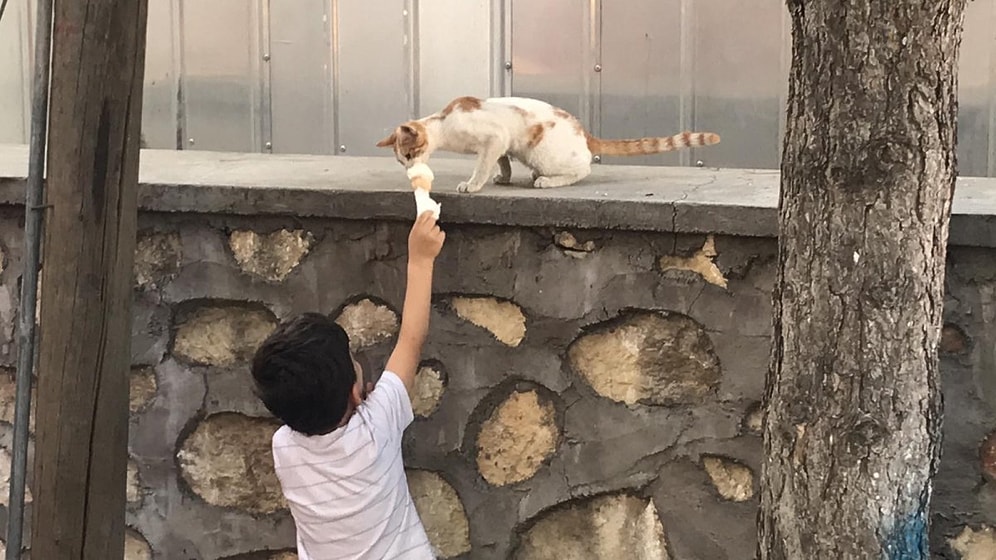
point(328, 115)
point(410, 14)
point(179, 73)
point(991, 131)
point(686, 78)
point(506, 41)
point(501, 61)
point(33, 216)
point(265, 63)
point(24, 30)
point(336, 134)
point(587, 64)
point(595, 70)
point(785, 63)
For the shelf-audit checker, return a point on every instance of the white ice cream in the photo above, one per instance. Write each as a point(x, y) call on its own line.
point(424, 203)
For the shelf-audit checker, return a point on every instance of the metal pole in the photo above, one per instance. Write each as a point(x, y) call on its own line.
point(33, 214)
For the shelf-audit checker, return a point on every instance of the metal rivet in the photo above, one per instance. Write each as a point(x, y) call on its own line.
point(342, 148)
point(266, 57)
point(597, 159)
point(269, 145)
point(508, 65)
point(699, 163)
point(598, 68)
point(191, 141)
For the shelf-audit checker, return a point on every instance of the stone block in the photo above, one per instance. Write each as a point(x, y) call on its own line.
point(648, 358)
point(142, 387)
point(430, 383)
point(733, 480)
point(368, 323)
point(503, 319)
point(520, 434)
point(158, 256)
point(270, 256)
point(441, 511)
point(606, 526)
point(227, 461)
point(222, 334)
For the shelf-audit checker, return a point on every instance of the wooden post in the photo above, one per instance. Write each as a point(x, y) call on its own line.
point(81, 442)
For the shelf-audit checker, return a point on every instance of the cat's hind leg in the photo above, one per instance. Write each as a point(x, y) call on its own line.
point(487, 158)
point(560, 180)
point(504, 176)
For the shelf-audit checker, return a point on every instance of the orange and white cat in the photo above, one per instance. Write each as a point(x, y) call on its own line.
point(548, 140)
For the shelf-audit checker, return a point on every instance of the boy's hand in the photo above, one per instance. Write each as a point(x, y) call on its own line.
point(425, 240)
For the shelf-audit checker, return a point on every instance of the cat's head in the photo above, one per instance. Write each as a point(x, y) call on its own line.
point(410, 143)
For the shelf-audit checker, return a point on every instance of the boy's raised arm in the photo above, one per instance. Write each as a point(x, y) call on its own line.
point(424, 244)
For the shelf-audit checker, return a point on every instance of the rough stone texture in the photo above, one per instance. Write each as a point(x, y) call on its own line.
point(441, 511)
point(701, 263)
point(648, 358)
point(953, 340)
point(136, 547)
point(271, 256)
point(517, 438)
point(158, 257)
point(503, 319)
point(610, 526)
point(605, 446)
point(754, 420)
point(368, 323)
point(430, 383)
point(142, 388)
point(733, 481)
point(222, 335)
point(8, 395)
point(134, 484)
point(987, 457)
point(5, 466)
point(227, 461)
point(975, 544)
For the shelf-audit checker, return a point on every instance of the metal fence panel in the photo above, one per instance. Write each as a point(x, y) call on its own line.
point(373, 74)
point(16, 53)
point(641, 72)
point(300, 77)
point(220, 85)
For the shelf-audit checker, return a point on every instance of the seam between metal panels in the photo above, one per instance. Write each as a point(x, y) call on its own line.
point(506, 23)
point(686, 78)
point(595, 66)
point(328, 116)
point(337, 146)
point(264, 62)
point(24, 32)
point(991, 129)
point(412, 58)
point(785, 63)
point(179, 72)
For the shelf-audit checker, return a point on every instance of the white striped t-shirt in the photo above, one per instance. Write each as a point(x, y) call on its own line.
point(347, 489)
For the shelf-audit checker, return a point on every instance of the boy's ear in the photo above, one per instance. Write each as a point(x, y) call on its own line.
point(389, 141)
point(356, 395)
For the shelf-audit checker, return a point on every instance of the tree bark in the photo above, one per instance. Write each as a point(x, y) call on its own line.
point(81, 446)
point(853, 408)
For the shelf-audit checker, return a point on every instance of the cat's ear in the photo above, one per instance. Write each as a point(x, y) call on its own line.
point(408, 133)
point(389, 141)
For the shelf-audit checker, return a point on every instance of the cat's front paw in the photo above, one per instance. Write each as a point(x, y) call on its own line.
point(466, 187)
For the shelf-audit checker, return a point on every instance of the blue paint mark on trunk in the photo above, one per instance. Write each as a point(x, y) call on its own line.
point(908, 538)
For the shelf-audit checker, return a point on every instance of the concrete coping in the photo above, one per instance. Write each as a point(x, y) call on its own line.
point(740, 202)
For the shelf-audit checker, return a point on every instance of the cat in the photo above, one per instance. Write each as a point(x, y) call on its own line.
point(549, 141)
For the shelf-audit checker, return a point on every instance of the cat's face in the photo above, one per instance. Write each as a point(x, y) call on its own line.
point(409, 142)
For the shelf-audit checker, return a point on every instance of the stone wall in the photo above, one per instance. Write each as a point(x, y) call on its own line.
point(585, 393)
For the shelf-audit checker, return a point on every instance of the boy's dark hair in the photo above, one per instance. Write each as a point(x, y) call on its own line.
point(303, 373)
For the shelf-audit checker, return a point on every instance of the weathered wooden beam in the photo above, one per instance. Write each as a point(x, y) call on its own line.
point(81, 442)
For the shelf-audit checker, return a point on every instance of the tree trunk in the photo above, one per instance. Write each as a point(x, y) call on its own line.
point(81, 446)
point(852, 430)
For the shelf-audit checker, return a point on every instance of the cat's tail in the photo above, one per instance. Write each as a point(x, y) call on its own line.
point(646, 146)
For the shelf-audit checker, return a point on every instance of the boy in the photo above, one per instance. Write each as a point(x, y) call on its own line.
point(338, 454)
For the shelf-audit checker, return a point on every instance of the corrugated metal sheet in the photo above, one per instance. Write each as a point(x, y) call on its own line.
point(331, 76)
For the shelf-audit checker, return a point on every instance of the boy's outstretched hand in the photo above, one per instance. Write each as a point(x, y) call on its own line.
point(425, 239)
point(424, 243)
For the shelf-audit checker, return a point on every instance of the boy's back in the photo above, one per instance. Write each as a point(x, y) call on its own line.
point(347, 489)
point(338, 454)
